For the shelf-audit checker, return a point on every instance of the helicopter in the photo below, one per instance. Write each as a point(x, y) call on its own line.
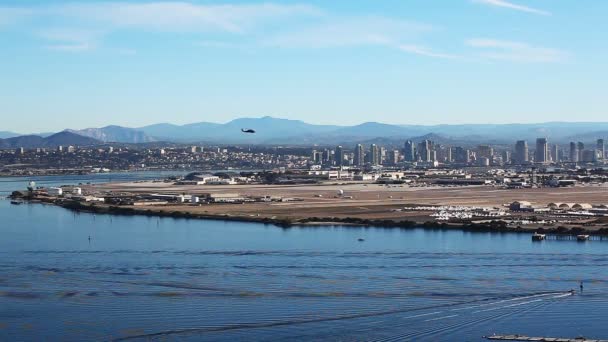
point(247, 130)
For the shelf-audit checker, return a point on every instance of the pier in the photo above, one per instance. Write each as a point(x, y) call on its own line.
point(541, 339)
point(567, 237)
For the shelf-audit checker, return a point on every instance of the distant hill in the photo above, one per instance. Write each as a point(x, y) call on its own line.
point(191, 132)
point(374, 129)
point(5, 134)
point(115, 134)
point(590, 137)
point(271, 130)
point(277, 131)
point(267, 128)
point(64, 138)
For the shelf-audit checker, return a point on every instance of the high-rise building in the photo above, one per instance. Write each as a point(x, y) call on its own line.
point(326, 158)
point(383, 156)
point(555, 153)
point(485, 151)
point(573, 156)
point(425, 151)
point(359, 157)
point(393, 157)
point(374, 154)
point(444, 153)
point(520, 155)
point(409, 151)
point(542, 151)
point(339, 156)
point(460, 155)
point(448, 155)
point(589, 156)
point(580, 147)
point(506, 156)
point(601, 149)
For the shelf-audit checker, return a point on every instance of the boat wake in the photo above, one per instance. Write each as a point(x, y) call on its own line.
point(437, 319)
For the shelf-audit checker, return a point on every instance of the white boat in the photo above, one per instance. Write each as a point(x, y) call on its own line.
point(538, 237)
point(582, 237)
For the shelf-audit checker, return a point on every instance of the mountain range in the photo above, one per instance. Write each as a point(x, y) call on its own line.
point(64, 138)
point(6, 134)
point(271, 130)
point(115, 134)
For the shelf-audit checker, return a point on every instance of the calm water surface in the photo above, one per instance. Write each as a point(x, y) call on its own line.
point(145, 278)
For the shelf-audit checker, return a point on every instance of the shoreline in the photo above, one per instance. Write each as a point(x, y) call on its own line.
point(495, 226)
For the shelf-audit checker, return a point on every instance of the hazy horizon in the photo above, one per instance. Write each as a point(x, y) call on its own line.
point(77, 64)
point(308, 122)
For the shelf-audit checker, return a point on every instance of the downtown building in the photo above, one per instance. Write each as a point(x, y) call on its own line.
point(520, 154)
point(359, 156)
point(541, 155)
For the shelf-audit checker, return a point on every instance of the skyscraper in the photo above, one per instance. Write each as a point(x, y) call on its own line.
point(374, 154)
point(326, 156)
point(573, 152)
point(359, 158)
point(382, 155)
point(601, 149)
point(542, 151)
point(506, 157)
point(393, 157)
point(460, 155)
point(425, 151)
point(555, 153)
point(339, 156)
point(580, 147)
point(409, 151)
point(485, 151)
point(520, 155)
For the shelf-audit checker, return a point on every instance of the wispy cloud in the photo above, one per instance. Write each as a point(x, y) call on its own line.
point(75, 47)
point(353, 31)
point(170, 16)
point(360, 31)
point(513, 6)
point(516, 51)
point(185, 17)
point(70, 39)
point(216, 44)
point(425, 51)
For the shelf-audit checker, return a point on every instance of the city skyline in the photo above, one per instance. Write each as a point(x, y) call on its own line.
point(89, 64)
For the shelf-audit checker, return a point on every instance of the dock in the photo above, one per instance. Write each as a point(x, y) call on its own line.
point(568, 237)
point(540, 339)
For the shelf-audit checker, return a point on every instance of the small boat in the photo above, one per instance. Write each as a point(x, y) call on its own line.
point(582, 237)
point(16, 202)
point(360, 240)
point(538, 237)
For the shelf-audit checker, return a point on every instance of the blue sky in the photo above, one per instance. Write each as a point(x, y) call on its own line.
point(90, 64)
